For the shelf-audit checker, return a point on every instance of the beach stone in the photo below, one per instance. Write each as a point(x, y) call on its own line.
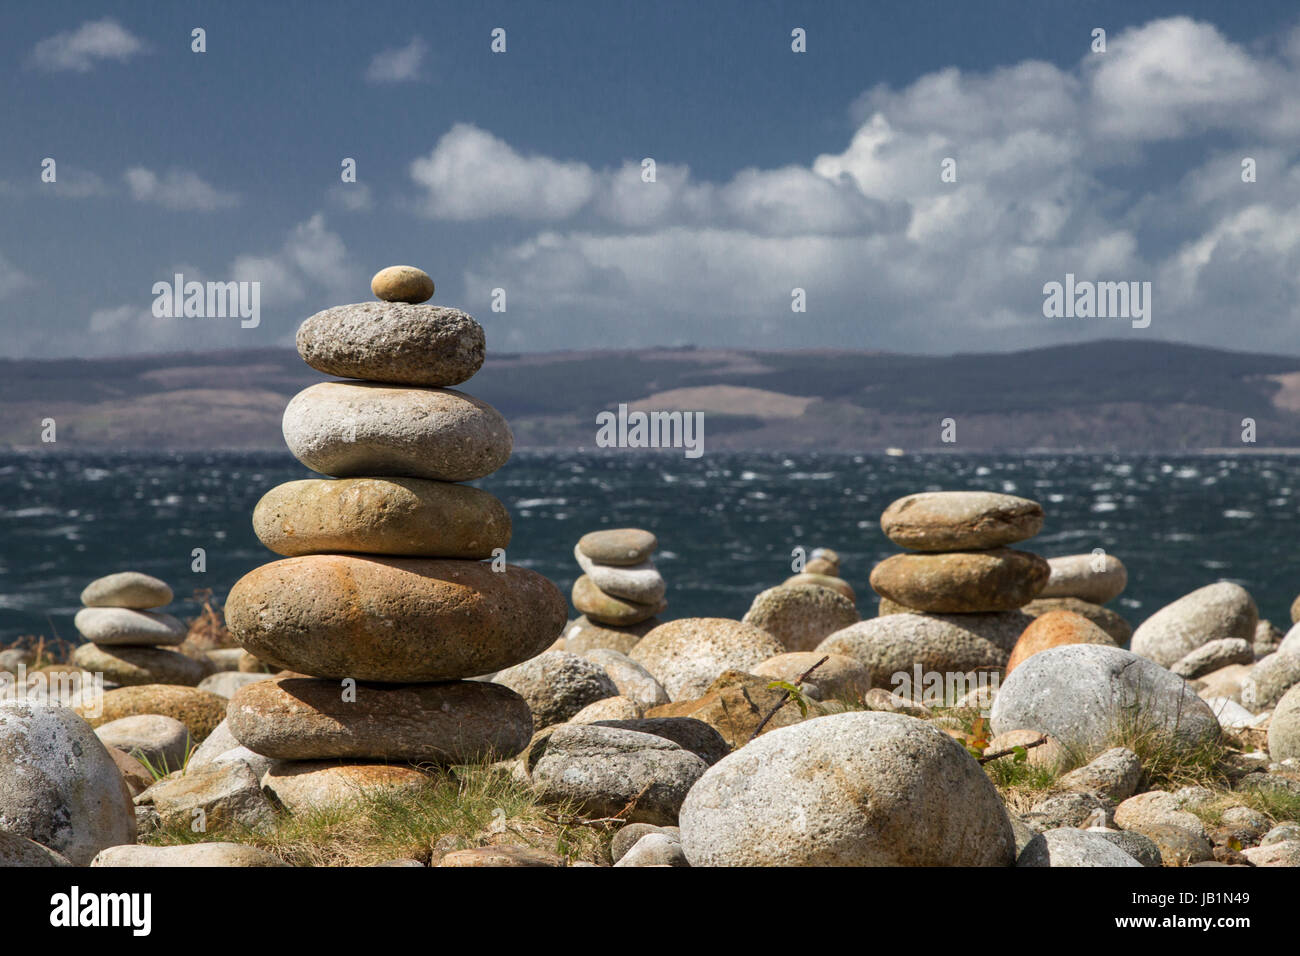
point(402, 284)
point(162, 741)
point(302, 786)
point(1270, 678)
point(1120, 630)
point(1071, 808)
point(222, 747)
point(1284, 728)
point(897, 644)
point(960, 520)
point(17, 850)
point(1141, 848)
point(225, 683)
point(396, 620)
point(1225, 682)
point(135, 774)
point(187, 854)
point(1289, 643)
point(1180, 846)
point(410, 517)
point(852, 789)
point(608, 708)
point(494, 856)
point(124, 626)
point(130, 666)
point(394, 343)
point(618, 545)
point(1268, 639)
point(218, 795)
point(224, 659)
point(127, 589)
point(632, 680)
point(1081, 694)
point(801, 617)
point(811, 579)
point(1155, 808)
point(441, 724)
point(639, 583)
point(59, 786)
point(1295, 610)
point(1215, 611)
point(961, 582)
point(199, 710)
point(655, 849)
point(1088, 577)
point(1282, 833)
point(601, 769)
point(248, 664)
point(839, 677)
point(365, 429)
point(1275, 854)
point(734, 705)
point(689, 734)
point(556, 686)
point(1068, 847)
point(688, 654)
point(584, 634)
point(1213, 655)
point(1055, 629)
point(1048, 754)
point(1114, 774)
point(606, 609)
point(628, 836)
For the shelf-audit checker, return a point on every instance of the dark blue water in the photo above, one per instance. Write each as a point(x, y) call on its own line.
point(726, 522)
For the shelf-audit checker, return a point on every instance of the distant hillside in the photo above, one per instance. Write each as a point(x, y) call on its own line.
point(1102, 395)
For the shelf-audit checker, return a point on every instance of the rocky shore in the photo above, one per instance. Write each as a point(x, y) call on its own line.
point(402, 694)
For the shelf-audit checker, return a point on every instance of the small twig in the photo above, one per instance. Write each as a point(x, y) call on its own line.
point(1003, 753)
point(785, 696)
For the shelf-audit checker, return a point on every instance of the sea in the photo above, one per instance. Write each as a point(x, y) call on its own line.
point(728, 524)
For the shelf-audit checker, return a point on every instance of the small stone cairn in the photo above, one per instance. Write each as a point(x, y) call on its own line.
point(128, 637)
point(384, 605)
point(619, 593)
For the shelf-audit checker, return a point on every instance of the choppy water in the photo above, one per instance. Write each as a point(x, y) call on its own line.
point(726, 522)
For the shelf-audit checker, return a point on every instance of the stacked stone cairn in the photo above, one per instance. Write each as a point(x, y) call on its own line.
point(619, 593)
point(384, 605)
point(129, 638)
point(807, 607)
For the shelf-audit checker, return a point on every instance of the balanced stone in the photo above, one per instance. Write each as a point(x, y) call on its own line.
point(307, 785)
point(808, 579)
point(129, 666)
point(607, 609)
point(402, 284)
point(126, 589)
point(392, 342)
point(960, 520)
point(801, 617)
point(119, 625)
point(443, 724)
point(362, 429)
point(584, 634)
point(962, 581)
point(397, 516)
point(1096, 578)
point(618, 545)
point(640, 583)
point(395, 620)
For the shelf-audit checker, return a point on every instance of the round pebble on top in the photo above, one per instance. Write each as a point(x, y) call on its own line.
point(618, 545)
point(402, 284)
point(126, 589)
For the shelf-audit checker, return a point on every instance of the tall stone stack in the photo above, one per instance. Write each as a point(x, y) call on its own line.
point(619, 592)
point(129, 638)
point(384, 605)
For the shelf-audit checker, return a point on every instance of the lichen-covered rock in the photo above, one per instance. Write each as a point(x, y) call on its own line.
point(557, 685)
point(132, 666)
point(852, 789)
point(17, 850)
point(218, 795)
point(801, 617)
point(631, 679)
point(59, 786)
point(197, 709)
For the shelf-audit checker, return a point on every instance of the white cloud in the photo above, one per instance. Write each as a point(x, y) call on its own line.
point(1056, 173)
point(351, 197)
point(176, 189)
point(313, 263)
point(12, 279)
point(400, 65)
point(472, 174)
point(82, 49)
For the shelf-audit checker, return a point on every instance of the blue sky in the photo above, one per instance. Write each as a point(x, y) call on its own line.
point(775, 170)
